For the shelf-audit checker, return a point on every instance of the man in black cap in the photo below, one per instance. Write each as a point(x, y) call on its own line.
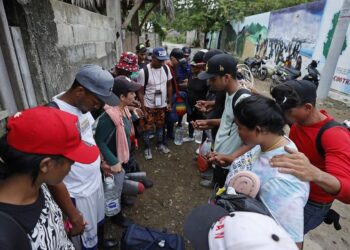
point(324, 157)
point(221, 70)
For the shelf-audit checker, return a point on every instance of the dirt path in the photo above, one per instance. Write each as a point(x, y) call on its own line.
point(176, 191)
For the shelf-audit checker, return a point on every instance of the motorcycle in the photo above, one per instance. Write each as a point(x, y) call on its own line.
point(256, 65)
point(284, 74)
point(313, 74)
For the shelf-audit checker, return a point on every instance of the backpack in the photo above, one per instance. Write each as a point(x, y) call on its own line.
point(136, 237)
point(327, 125)
point(13, 235)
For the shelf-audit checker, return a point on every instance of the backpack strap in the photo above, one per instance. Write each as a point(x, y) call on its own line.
point(327, 125)
point(146, 72)
point(52, 104)
point(238, 95)
point(9, 228)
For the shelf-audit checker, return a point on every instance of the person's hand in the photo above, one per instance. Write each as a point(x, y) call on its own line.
point(78, 224)
point(136, 103)
point(138, 112)
point(169, 108)
point(203, 106)
point(117, 168)
point(221, 159)
point(295, 163)
point(184, 83)
point(106, 169)
point(201, 124)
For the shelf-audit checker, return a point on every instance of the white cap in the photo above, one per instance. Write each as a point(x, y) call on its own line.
point(248, 231)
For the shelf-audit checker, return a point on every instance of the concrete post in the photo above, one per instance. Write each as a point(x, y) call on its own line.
point(334, 51)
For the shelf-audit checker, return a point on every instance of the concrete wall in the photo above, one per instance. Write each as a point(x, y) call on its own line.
point(62, 37)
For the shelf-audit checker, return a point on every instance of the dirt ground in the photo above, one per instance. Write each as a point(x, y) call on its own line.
point(176, 191)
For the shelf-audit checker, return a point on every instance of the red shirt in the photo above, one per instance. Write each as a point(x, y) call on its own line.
point(336, 144)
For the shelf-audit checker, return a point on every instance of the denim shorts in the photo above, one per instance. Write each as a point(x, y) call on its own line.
point(314, 214)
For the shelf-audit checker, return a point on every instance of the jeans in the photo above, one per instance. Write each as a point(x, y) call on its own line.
point(314, 214)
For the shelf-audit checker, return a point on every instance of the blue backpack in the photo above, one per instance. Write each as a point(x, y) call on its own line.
point(136, 237)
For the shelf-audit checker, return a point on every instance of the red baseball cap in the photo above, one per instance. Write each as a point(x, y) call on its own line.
point(49, 131)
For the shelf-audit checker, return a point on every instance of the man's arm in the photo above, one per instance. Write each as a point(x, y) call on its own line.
point(62, 198)
point(141, 97)
point(226, 160)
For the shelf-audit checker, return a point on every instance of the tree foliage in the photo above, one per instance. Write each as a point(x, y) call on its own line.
point(212, 15)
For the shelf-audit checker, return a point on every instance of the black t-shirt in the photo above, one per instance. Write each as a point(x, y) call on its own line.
point(27, 215)
point(197, 90)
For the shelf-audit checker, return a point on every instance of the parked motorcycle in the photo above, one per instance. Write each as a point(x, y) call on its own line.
point(313, 74)
point(284, 74)
point(256, 65)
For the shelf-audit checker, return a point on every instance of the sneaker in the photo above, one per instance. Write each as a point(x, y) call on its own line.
point(206, 183)
point(163, 149)
point(188, 139)
point(148, 154)
point(208, 175)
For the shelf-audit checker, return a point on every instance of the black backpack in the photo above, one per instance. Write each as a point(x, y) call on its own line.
point(136, 237)
point(327, 125)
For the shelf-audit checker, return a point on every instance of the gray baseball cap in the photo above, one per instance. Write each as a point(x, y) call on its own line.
point(99, 82)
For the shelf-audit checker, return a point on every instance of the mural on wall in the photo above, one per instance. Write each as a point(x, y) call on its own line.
point(293, 33)
point(250, 36)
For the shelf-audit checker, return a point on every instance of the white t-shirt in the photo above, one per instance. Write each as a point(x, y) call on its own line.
point(157, 80)
point(283, 194)
point(227, 139)
point(83, 179)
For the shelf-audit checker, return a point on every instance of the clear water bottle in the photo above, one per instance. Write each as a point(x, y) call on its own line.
point(205, 147)
point(112, 195)
point(198, 134)
point(178, 136)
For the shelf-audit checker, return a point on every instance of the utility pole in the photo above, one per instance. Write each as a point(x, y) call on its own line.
point(334, 51)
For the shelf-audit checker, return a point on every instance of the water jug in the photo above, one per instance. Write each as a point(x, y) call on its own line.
point(178, 136)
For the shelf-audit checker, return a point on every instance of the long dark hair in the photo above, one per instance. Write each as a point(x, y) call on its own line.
point(257, 110)
point(15, 162)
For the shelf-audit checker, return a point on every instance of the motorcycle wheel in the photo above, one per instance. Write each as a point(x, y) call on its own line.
point(262, 74)
point(255, 70)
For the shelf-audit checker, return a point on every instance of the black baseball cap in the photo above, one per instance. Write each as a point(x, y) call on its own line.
point(198, 58)
point(198, 223)
point(177, 53)
point(219, 65)
point(141, 48)
point(122, 83)
point(186, 51)
point(211, 53)
point(294, 93)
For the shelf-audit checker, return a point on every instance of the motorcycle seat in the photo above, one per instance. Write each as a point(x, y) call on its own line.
point(293, 71)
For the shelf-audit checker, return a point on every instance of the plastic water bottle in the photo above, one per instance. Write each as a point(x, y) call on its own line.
point(112, 196)
point(205, 147)
point(178, 136)
point(133, 188)
point(198, 134)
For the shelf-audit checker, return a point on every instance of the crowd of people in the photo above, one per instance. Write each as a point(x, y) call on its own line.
point(54, 158)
